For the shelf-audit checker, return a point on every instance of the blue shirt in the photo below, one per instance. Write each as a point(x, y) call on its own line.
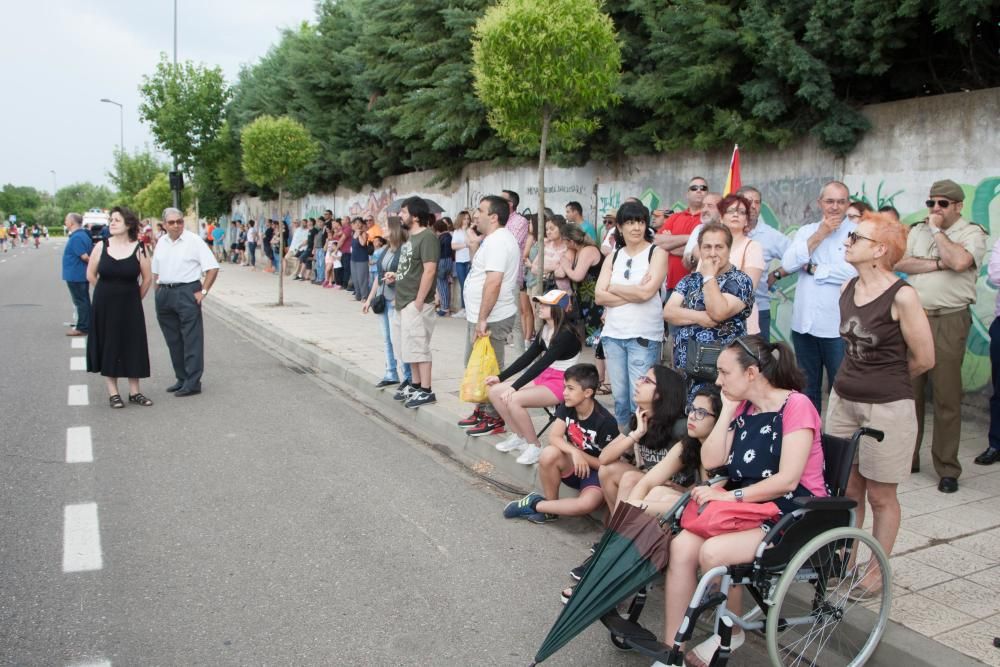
point(74, 268)
point(774, 244)
point(816, 310)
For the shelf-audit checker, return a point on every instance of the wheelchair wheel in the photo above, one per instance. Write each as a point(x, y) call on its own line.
point(816, 621)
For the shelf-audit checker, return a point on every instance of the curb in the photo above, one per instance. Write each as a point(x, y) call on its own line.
point(435, 426)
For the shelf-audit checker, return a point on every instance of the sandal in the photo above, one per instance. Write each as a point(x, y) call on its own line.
point(139, 399)
point(116, 401)
point(567, 593)
point(604, 389)
point(702, 654)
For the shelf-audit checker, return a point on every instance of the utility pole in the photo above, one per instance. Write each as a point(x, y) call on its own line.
point(121, 128)
point(176, 180)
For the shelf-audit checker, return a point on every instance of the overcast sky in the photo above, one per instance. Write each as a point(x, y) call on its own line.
point(58, 58)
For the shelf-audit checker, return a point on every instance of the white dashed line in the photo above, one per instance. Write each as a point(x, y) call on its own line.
point(81, 539)
point(78, 394)
point(78, 343)
point(78, 363)
point(95, 663)
point(79, 448)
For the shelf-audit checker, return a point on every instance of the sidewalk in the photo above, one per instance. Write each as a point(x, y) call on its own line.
point(946, 565)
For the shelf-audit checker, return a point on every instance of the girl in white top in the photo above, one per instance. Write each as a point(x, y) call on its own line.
point(460, 243)
point(629, 289)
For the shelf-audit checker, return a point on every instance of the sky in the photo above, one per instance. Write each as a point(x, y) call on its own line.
point(58, 58)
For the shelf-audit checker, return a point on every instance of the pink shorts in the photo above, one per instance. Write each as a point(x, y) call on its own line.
point(552, 380)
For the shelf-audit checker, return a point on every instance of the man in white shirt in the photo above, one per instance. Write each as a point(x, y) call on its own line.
point(774, 244)
point(180, 260)
point(816, 254)
point(490, 292)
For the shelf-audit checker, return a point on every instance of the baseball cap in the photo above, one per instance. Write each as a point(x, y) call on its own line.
point(554, 297)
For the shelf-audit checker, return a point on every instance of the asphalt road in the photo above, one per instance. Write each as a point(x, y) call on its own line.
point(272, 520)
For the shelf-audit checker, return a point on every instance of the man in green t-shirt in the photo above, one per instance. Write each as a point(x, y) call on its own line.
point(413, 313)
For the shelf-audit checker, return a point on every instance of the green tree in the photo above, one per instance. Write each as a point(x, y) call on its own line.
point(19, 200)
point(80, 197)
point(133, 172)
point(542, 70)
point(274, 151)
point(150, 201)
point(184, 105)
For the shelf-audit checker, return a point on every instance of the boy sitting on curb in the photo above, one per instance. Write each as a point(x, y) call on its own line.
point(583, 427)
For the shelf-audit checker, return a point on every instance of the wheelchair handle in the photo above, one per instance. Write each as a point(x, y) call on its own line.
point(873, 433)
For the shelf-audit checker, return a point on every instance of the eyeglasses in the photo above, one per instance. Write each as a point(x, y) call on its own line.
point(941, 203)
point(854, 236)
point(695, 188)
point(645, 379)
point(698, 413)
point(855, 216)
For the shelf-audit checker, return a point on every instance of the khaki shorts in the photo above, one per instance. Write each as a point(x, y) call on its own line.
point(415, 329)
point(887, 461)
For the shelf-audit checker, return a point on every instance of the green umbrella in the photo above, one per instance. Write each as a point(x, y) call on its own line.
point(632, 552)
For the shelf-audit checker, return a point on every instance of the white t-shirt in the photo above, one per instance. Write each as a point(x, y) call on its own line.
point(458, 236)
point(497, 252)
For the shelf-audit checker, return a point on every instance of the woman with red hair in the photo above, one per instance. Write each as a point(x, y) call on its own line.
point(888, 338)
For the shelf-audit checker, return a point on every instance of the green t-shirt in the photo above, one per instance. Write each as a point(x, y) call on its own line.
point(419, 248)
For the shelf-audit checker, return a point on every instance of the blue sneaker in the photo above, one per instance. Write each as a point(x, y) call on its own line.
point(540, 517)
point(523, 507)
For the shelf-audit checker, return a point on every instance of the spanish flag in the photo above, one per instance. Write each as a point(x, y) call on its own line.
point(733, 182)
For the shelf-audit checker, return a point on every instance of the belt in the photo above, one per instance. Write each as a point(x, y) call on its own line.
point(173, 285)
point(940, 312)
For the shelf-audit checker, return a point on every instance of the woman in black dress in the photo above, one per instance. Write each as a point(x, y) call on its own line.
point(116, 346)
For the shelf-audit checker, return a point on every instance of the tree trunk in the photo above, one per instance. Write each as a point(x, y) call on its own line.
point(542, 150)
point(281, 252)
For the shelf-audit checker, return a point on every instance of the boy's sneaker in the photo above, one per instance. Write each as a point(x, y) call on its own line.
point(510, 444)
point(419, 398)
point(540, 517)
point(405, 392)
point(524, 508)
point(530, 455)
point(577, 572)
point(488, 426)
point(473, 419)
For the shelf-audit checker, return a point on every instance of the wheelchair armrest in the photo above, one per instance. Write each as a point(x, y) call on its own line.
point(834, 503)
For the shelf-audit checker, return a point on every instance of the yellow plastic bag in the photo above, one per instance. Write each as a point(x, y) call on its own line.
point(482, 364)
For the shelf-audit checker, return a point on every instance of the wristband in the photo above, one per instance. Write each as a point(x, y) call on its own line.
point(937, 263)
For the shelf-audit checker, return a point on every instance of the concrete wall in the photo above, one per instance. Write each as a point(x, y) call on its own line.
point(911, 144)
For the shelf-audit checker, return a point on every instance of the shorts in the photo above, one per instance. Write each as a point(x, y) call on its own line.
point(574, 482)
point(416, 328)
point(888, 461)
point(553, 380)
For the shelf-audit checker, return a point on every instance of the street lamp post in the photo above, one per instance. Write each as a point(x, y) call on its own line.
point(175, 178)
point(54, 189)
point(121, 136)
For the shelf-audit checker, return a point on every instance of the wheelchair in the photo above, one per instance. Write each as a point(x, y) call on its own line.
point(805, 579)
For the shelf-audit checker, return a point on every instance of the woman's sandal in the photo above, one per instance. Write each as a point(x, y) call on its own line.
point(604, 389)
point(702, 654)
point(116, 401)
point(139, 399)
point(567, 593)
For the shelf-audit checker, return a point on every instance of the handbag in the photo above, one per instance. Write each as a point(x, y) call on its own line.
point(701, 360)
point(718, 517)
point(378, 303)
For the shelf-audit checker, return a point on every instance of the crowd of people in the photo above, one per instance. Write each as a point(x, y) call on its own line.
point(13, 233)
point(676, 306)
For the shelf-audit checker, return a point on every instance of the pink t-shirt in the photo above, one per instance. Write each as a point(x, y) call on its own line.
point(800, 413)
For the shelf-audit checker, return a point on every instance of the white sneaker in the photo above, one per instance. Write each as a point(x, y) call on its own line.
point(460, 314)
point(530, 455)
point(511, 443)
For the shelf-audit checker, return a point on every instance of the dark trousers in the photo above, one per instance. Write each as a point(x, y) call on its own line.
point(80, 293)
point(995, 399)
point(950, 333)
point(764, 319)
point(180, 321)
point(814, 354)
point(252, 247)
point(345, 274)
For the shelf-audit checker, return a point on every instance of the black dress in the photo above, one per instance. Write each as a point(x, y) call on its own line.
point(116, 343)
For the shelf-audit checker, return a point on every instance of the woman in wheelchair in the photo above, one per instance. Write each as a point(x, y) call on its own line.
point(768, 434)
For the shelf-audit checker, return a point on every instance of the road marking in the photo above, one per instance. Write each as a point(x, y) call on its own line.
point(79, 448)
point(78, 363)
point(81, 539)
point(95, 663)
point(78, 394)
point(78, 343)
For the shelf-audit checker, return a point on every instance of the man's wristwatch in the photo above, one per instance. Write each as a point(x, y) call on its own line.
point(738, 495)
point(204, 292)
point(776, 274)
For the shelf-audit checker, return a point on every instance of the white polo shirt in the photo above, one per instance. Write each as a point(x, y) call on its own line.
point(183, 260)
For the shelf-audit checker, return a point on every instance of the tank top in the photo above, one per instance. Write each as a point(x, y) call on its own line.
point(874, 350)
point(633, 320)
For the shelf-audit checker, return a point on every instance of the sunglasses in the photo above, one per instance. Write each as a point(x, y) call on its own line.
point(695, 188)
point(854, 236)
point(173, 222)
point(628, 269)
point(941, 203)
point(698, 413)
